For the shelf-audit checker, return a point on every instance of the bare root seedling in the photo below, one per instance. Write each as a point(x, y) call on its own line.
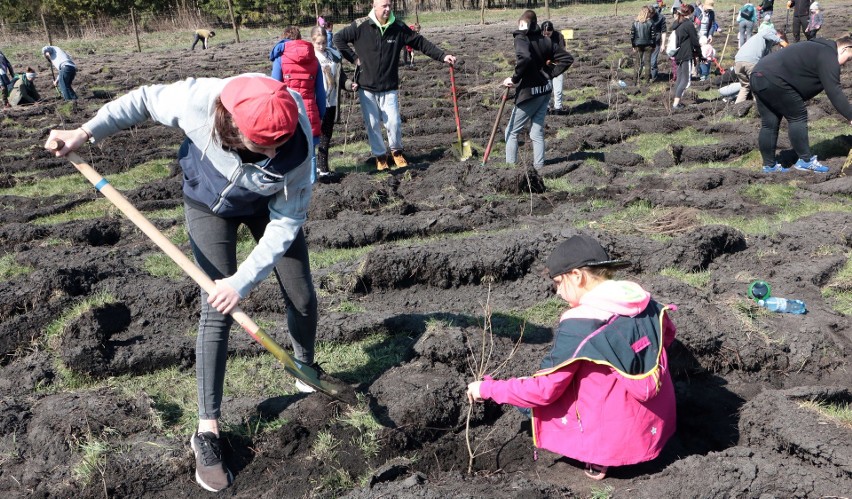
point(479, 364)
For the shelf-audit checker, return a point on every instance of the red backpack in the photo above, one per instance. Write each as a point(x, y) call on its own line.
point(299, 67)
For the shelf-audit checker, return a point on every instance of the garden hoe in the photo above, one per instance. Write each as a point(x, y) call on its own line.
point(462, 148)
point(496, 124)
point(298, 370)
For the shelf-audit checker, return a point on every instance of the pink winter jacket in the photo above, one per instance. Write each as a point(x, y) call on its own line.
point(587, 410)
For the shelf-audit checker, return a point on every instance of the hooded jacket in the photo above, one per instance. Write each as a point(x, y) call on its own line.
point(216, 178)
point(538, 59)
point(377, 47)
point(809, 68)
point(801, 7)
point(316, 103)
point(604, 394)
point(687, 41)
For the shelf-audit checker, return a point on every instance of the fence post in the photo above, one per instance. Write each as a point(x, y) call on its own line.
point(135, 29)
point(46, 31)
point(233, 21)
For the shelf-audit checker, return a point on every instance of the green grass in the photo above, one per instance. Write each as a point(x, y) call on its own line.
point(698, 280)
point(545, 313)
point(840, 413)
point(563, 184)
point(51, 336)
point(771, 224)
point(601, 492)
point(10, 268)
point(328, 257)
point(350, 159)
point(76, 183)
point(777, 195)
point(649, 144)
point(94, 451)
point(368, 427)
point(363, 361)
point(838, 290)
point(160, 265)
point(349, 307)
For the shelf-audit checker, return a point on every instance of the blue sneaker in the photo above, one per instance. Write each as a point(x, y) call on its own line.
point(811, 166)
point(777, 168)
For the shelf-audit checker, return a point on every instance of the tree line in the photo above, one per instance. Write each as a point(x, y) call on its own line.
point(245, 11)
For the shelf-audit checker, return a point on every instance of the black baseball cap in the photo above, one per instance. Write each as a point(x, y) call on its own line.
point(580, 251)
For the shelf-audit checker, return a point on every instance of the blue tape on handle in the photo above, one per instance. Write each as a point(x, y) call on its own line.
point(100, 185)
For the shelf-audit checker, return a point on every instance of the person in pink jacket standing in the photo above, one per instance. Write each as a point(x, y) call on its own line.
point(603, 395)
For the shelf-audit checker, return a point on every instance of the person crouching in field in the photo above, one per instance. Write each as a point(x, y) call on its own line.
point(604, 394)
point(246, 160)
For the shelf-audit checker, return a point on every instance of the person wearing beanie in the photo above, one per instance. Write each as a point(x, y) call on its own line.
point(246, 160)
point(603, 395)
point(373, 44)
point(538, 59)
point(815, 22)
point(203, 36)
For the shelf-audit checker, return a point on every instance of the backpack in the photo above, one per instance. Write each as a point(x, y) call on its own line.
point(671, 45)
point(747, 12)
point(299, 67)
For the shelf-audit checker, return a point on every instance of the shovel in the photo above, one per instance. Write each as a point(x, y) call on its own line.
point(462, 149)
point(496, 124)
point(298, 370)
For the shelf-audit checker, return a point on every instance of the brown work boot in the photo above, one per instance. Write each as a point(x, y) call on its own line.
point(382, 161)
point(398, 159)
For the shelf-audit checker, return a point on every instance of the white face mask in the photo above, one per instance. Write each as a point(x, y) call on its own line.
point(523, 25)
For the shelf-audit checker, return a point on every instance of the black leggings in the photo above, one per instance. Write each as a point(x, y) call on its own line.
point(774, 102)
point(214, 245)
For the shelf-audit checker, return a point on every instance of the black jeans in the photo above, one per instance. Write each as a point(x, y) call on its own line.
point(326, 130)
point(643, 62)
point(800, 24)
point(774, 102)
point(214, 245)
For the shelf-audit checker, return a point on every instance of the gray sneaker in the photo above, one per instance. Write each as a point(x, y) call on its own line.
point(210, 471)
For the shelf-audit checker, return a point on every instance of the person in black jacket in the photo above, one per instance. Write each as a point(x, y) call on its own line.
point(688, 49)
point(538, 59)
point(376, 41)
point(642, 40)
point(558, 81)
point(782, 81)
point(659, 21)
point(801, 16)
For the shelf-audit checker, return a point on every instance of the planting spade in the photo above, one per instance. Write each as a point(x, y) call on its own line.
point(298, 370)
point(461, 148)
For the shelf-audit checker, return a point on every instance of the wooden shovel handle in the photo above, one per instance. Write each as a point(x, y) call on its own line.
point(173, 252)
point(496, 124)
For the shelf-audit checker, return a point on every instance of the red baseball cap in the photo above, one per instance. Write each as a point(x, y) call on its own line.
point(262, 108)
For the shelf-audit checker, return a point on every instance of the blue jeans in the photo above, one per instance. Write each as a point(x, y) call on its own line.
point(214, 245)
point(746, 27)
point(655, 54)
point(533, 110)
point(704, 69)
point(66, 76)
point(379, 108)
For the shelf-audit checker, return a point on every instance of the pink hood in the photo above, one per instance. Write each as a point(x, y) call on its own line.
point(610, 297)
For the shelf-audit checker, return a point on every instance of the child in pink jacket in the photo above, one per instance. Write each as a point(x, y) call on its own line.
point(603, 395)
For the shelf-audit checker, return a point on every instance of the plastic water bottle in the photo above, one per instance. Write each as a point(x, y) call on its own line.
point(622, 83)
point(776, 304)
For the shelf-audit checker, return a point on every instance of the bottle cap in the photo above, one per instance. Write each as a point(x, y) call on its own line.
point(759, 290)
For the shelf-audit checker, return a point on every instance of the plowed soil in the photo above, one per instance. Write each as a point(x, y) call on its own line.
point(441, 240)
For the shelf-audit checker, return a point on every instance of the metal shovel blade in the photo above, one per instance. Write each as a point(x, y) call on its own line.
point(463, 150)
